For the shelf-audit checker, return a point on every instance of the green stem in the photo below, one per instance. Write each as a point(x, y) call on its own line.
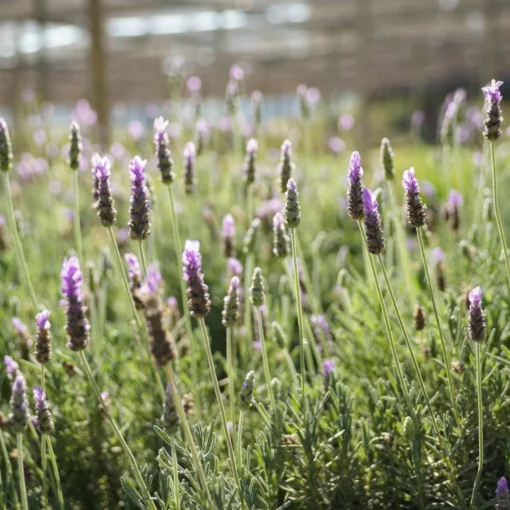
point(438, 324)
point(478, 363)
point(248, 343)
point(77, 225)
point(129, 454)
point(185, 306)
point(187, 430)
point(265, 360)
point(410, 348)
point(44, 460)
point(176, 477)
point(239, 445)
point(8, 469)
point(230, 372)
point(56, 474)
point(142, 258)
point(497, 213)
point(20, 254)
point(389, 334)
point(216, 386)
point(299, 311)
point(21, 472)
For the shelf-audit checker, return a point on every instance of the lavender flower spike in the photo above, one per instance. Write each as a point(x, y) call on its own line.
point(77, 326)
point(105, 204)
point(139, 209)
point(286, 166)
point(43, 413)
point(493, 116)
point(75, 146)
point(415, 209)
point(165, 162)
point(476, 320)
point(355, 188)
point(231, 304)
point(5, 147)
point(11, 367)
point(135, 278)
point(20, 413)
point(189, 167)
point(248, 170)
point(43, 337)
point(292, 212)
point(197, 290)
point(374, 233)
point(502, 494)
point(281, 240)
point(228, 236)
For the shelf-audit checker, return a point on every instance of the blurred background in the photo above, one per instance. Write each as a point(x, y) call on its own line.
point(127, 56)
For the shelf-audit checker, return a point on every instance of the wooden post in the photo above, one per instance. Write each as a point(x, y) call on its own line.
point(99, 94)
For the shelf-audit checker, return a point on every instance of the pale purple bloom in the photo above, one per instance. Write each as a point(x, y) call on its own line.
point(291, 185)
point(228, 226)
point(198, 297)
point(321, 326)
point(117, 151)
point(72, 279)
point(438, 255)
point(2, 220)
point(42, 320)
point(202, 128)
point(355, 170)
point(236, 73)
point(234, 266)
point(84, 113)
point(286, 148)
point(160, 125)
point(135, 129)
point(39, 397)
point(189, 153)
point(154, 279)
point(492, 93)
point(370, 204)
point(417, 118)
point(328, 367)
point(19, 326)
point(313, 95)
point(502, 489)
point(252, 146)
point(257, 345)
point(194, 84)
point(134, 269)
point(191, 260)
point(336, 144)
point(475, 298)
point(410, 182)
point(346, 122)
point(11, 367)
point(411, 244)
point(101, 167)
point(224, 124)
point(455, 199)
point(428, 189)
point(269, 208)
point(172, 302)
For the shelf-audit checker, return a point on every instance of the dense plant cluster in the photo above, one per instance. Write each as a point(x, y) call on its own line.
point(251, 330)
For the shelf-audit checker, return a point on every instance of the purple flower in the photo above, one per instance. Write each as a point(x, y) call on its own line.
point(228, 226)
point(502, 489)
point(492, 93)
point(236, 73)
point(198, 297)
point(410, 182)
point(234, 266)
point(134, 269)
point(415, 209)
point(476, 319)
point(11, 367)
point(19, 326)
point(42, 320)
point(286, 148)
point(189, 154)
point(136, 130)
point(252, 146)
point(455, 199)
point(438, 255)
point(39, 397)
point(103, 192)
point(417, 118)
point(355, 188)
point(355, 170)
point(154, 279)
point(321, 327)
point(346, 122)
point(370, 204)
point(20, 413)
point(373, 228)
point(139, 223)
point(475, 297)
point(336, 144)
point(43, 415)
point(77, 326)
point(328, 367)
point(194, 85)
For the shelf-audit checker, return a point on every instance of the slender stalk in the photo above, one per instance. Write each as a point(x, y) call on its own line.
point(216, 386)
point(265, 361)
point(118, 434)
point(56, 474)
point(44, 460)
point(8, 469)
point(21, 472)
point(299, 311)
point(497, 213)
point(389, 334)
point(77, 225)
point(478, 362)
point(248, 343)
point(230, 371)
point(438, 324)
point(185, 306)
point(239, 445)
point(187, 431)
point(20, 254)
point(142, 258)
point(176, 477)
point(410, 348)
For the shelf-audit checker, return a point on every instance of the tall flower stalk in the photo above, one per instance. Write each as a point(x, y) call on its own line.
point(165, 165)
point(6, 159)
point(476, 332)
point(492, 133)
point(416, 216)
point(75, 150)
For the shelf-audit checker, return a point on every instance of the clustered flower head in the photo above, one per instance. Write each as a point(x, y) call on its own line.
point(281, 240)
point(387, 159)
point(248, 169)
point(24, 337)
point(438, 257)
point(373, 229)
point(286, 166)
point(453, 112)
point(135, 278)
point(6, 157)
point(416, 215)
point(355, 188)
point(257, 295)
point(292, 210)
point(105, 204)
point(493, 116)
point(139, 210)
point(328, 372)
point(20, 412)
point(77, 326)
point(11, 367)
point(43, 413)
point(75, 146)
point(321, 327)
point(246, 393)
point(455, 201)
point(43, 337)
point(161, 342)
point(476, 319)
point(419, 318)
point(165, 162)
point(189, 167)
point(228, 236)
point(250, 239)
point(502, 494)
point(169, 418)
point(197, 290)
point(231, 304)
